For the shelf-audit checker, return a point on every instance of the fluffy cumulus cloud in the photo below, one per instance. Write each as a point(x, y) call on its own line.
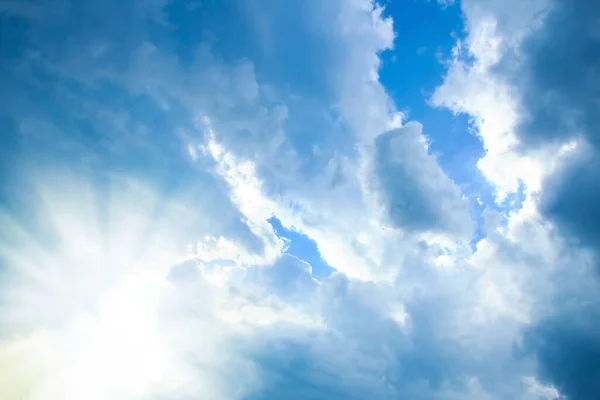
point(147, 145)
point(418, 193)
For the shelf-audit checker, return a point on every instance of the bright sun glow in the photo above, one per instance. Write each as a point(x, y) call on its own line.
point(95, 286)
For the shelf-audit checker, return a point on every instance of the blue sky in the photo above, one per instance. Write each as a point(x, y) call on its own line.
point(243, 200)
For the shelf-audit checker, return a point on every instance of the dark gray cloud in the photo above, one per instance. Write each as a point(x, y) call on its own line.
point(560, 75)
point(418, 194)
point(559, 82)
point(571, 198)
point(558, 78)
point(568, 349)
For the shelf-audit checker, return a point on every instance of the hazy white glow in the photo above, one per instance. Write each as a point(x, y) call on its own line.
point(86, 296)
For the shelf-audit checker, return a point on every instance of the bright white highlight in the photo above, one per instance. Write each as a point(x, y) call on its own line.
point(90, 288)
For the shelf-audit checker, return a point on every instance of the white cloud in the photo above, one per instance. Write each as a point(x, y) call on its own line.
point(540, 390)
point(472, 87)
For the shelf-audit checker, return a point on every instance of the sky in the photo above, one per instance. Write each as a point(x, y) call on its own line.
point(259, 199)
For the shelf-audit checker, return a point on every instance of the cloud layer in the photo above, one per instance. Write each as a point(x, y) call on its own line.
point(146, 146)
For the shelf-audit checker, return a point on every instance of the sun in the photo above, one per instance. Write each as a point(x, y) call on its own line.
point(81, 292)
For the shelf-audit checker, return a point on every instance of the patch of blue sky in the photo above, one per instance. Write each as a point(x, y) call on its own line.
point(303, 247)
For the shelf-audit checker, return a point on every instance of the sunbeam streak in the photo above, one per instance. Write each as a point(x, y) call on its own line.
point(82, 288)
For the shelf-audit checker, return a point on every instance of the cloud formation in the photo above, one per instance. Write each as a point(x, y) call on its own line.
point(419, 195)
point(540, 67)
point(146, 145)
